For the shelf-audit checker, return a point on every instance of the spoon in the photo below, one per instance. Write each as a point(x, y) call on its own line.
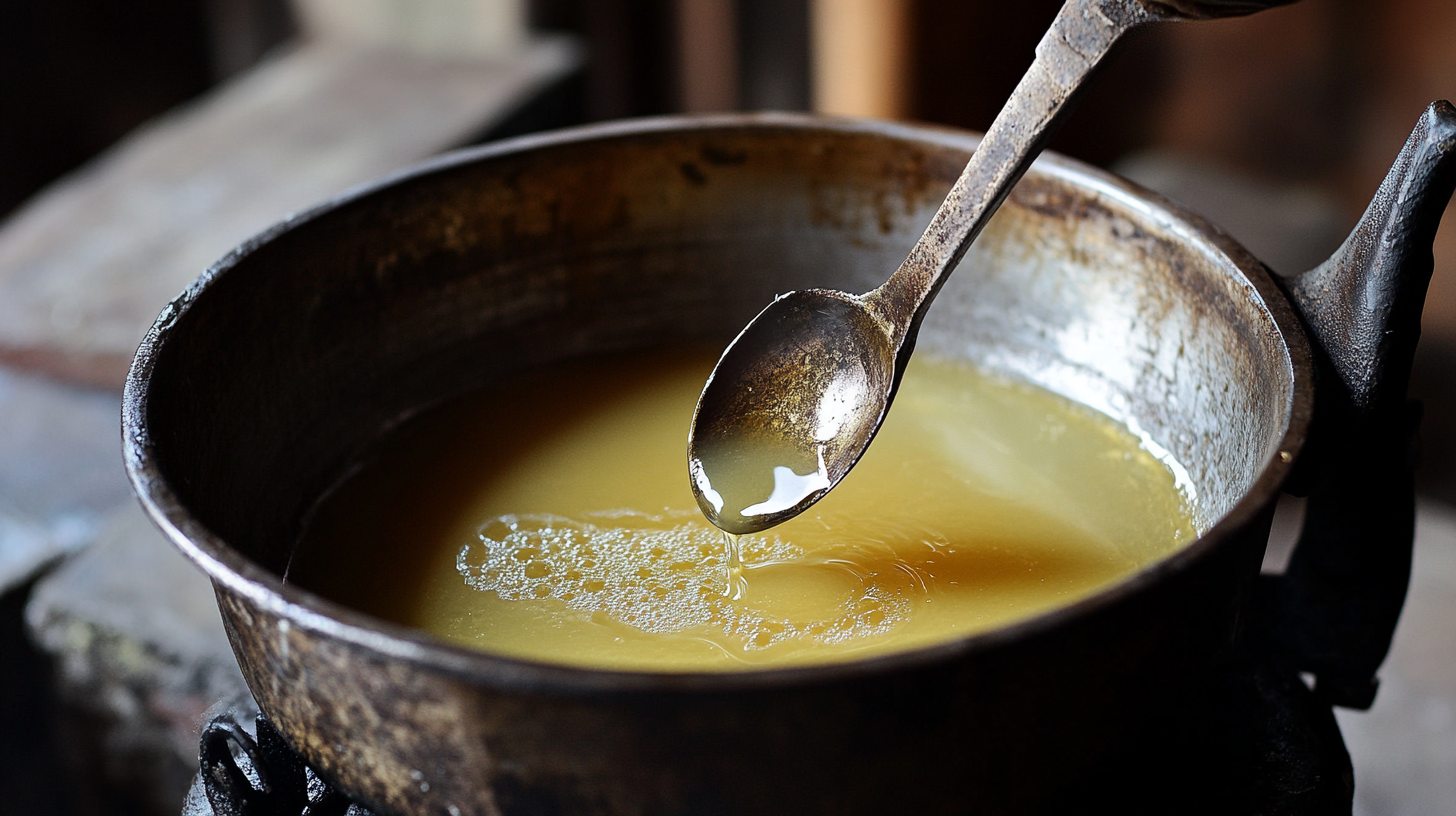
point(797, 398)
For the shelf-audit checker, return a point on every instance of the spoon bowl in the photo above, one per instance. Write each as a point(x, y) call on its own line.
point(790, 408)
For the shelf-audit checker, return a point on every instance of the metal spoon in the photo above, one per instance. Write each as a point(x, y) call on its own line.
point(798, 396)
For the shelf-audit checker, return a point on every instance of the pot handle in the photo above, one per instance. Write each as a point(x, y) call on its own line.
point(1333, 612)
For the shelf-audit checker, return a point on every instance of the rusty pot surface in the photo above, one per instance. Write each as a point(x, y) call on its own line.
point(261, 384)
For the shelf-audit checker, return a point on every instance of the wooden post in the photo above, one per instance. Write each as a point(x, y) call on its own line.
point(860, 57)
point(707, 36)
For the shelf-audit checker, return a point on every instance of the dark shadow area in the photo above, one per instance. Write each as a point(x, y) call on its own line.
point(1248, 738)
point(31, 780)
point(1434, 384)
point(630, 51)
point(76, 75)
point(967, 58)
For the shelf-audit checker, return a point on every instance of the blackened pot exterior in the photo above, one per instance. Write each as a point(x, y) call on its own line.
point(259, 387)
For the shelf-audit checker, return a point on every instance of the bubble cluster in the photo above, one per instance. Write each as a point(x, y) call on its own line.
point(661, 574)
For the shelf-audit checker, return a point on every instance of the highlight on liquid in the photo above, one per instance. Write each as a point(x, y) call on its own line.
point(547, 518)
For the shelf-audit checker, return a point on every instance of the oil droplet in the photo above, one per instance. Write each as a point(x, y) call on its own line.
point(737, 585)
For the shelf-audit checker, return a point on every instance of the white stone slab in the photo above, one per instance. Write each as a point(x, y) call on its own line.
point(60, 470)
point(438, 27)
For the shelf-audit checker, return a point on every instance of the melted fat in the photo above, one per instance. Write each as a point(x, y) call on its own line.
point(550, 519)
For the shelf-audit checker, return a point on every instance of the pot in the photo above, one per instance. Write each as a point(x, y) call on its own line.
point(259, 387)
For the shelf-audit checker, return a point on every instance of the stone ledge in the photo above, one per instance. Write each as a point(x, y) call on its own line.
point(60, 471)
point(140, 657)
point(87, 264)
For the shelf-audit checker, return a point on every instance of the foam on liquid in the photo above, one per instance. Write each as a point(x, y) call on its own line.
point(549, 519)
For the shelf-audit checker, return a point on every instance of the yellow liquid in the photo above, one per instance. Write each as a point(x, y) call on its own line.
point(551, 519)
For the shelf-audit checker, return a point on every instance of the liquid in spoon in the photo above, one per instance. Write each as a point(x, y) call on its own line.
point(770, 440)
point(745, 479)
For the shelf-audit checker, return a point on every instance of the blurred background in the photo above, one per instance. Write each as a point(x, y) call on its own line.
point(1298, 110)
point(140, 140)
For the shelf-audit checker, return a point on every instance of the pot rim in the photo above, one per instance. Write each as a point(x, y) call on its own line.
point(237, 574)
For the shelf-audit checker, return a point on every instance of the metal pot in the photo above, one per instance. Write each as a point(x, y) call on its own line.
point(260, 385)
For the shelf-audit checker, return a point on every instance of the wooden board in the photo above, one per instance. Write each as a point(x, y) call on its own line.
point(87, 264)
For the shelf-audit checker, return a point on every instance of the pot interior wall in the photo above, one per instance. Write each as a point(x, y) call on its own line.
point(308, 344)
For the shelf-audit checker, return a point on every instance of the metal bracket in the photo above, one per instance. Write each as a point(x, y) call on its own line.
point(1334, 611)
point(271, 780)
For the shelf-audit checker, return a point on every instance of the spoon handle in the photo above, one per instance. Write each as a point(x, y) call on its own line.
point(1082, 34)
